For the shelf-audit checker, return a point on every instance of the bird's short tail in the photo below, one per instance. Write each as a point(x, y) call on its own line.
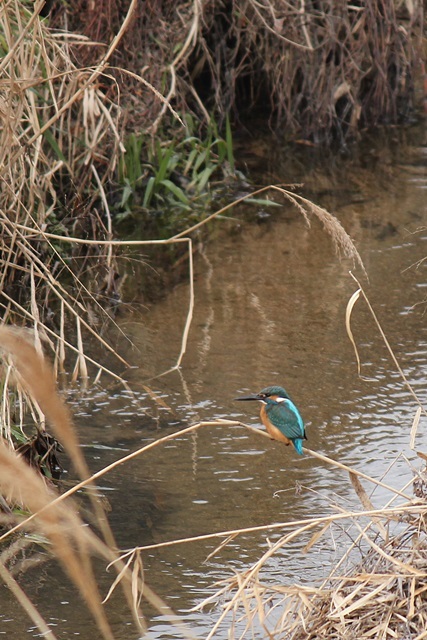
point(298, 446)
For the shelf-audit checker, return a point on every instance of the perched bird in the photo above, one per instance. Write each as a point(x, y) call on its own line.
point(280, 416)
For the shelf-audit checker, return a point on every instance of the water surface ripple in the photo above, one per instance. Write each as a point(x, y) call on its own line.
point(270, 301)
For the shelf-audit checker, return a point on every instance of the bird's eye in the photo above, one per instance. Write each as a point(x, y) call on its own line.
point(263, 395)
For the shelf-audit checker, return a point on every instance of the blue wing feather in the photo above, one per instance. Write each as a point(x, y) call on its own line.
point(286, 417)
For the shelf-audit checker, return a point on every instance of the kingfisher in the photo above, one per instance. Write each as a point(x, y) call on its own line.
point(280, 416)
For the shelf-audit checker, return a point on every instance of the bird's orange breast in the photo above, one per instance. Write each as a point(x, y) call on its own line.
point(274, 432)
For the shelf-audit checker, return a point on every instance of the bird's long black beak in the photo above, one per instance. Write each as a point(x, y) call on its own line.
point(252, 397)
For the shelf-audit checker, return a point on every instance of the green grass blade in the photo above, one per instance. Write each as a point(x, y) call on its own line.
point(204, 178)
point(177, 191)
point(229, 141)
point(201, 158)
point(50, 138)
point(165, 165)
point(191, 158)
point(148, 191)
point(263, 202)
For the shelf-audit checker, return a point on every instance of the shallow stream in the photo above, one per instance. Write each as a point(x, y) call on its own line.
point(270, 300)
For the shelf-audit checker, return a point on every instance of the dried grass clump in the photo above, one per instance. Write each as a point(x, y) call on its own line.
point(324, 67)
point(320, 68)
point(59, 146)
point(59, 130)
point(383, 595)
point(156, 46)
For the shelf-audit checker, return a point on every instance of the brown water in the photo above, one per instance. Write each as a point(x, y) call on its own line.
point(270, 299)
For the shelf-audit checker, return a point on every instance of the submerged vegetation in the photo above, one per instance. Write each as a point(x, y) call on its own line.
point(113, 118)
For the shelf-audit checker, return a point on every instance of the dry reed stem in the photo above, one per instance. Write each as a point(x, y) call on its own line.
point(26, 603)
point(72, 304)
point(190, 429)
point(73, 543)
point(300, 526)
point(62, 343)
point(385, 340)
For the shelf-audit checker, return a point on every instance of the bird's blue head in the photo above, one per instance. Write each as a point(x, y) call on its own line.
point(274, 390)
point(269, 392)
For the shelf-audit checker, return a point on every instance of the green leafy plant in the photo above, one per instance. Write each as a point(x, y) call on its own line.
point(176, 174)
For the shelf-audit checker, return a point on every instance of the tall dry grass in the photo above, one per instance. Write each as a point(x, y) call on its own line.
point(59, 134)
point(59, 144)
point(319, 70)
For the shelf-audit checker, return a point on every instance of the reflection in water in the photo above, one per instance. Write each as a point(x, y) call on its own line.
point(270, 305)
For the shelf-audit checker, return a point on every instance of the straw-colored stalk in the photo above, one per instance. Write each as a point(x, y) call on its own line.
point(53, 516)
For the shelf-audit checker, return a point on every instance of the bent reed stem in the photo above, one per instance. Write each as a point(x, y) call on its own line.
point(177, 434)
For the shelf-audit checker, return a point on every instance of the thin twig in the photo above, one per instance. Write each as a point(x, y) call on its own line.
point(390, 350)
